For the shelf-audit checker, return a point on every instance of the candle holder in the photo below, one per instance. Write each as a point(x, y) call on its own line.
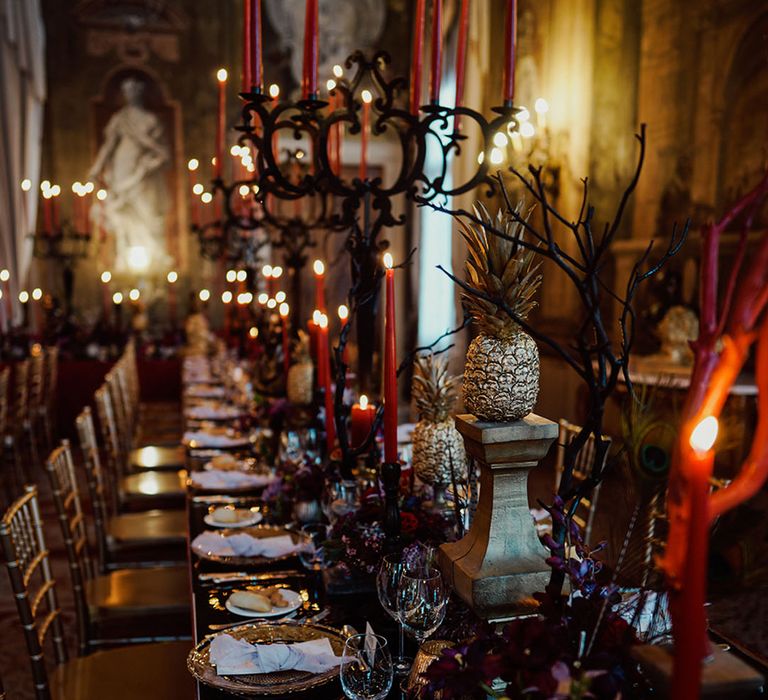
point(64, 246)
point(365, 205)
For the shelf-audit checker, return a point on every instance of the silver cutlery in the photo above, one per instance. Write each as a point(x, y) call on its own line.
point(230, 576)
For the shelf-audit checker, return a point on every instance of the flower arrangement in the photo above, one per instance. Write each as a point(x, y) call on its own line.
point(296, 482)
point(576, 647)
point(356, 540)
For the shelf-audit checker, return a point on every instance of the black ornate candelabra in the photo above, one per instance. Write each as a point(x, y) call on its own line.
point(364, 206)
point(64, 246)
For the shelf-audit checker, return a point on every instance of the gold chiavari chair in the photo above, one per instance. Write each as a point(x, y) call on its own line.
point(124, 606)
point(123, 391)
point(32, 422)
point(127, 539)
point(147, 671)
point(140, 491)
point(48, 406)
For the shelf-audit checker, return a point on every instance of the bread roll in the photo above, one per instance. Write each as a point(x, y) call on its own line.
point(225, 515)
point(225, 461)
point(251, 601)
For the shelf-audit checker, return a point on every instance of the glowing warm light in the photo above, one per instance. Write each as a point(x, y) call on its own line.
point(363, 401)
point(388, 262)
point(198, 189)
point(55, 190)
point(134, 295)
point(253, 332)
point(319, 267)
point(244, 298)
point(193, 164)
point(496, 156)
point(527, 130)
point(221, 75)
point(338, 71)
point(480, 157)
point(280, 297)
point(149, 456)
point(231, 276)
point(89, 187)
point(255, 188)
point(226, 297)
point(284, 309)
point(322, 321)
point(138, 258)
point(263, 298)
point(37, 293)
point(204, 295)
point(316, 314)
point(523, 116)
point(117, 298)
point(277, 272)
point(500, 139)
point(271, 303)
point(266, 270)
point(206, 197)
point(23, 296)
point(4, 275)
point(101, 195)
point(541, 106)
point(26, 184)
point(299, 154)
point(251, 168)
point(47, 194)
point(1, 293)
point(366, 96)
point(106, 277)
point(45, 185)
point(331, 85)
point(704, 435)
point(274, 91)
point(213, 160)
point(241, 275)
point(77, 188)
point(343, 312)
point(235, 150)
point(244, 190)
point(172, 277)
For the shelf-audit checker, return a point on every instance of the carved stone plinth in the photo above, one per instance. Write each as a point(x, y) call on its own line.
point(500, 562)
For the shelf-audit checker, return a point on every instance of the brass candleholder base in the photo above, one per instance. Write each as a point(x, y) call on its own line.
point(499, 564)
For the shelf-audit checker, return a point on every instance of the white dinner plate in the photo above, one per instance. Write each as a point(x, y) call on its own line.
point(246, 518)
point(294, 603)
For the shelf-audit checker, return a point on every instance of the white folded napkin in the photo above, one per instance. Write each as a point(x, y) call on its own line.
point(244, 545)
point(220, 479)
point(202, 439)
point(233, 657)
point(212, 412)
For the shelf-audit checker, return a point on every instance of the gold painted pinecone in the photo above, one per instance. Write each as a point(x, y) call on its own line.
point(299, 383)
point(435, 446)
point(501, 377)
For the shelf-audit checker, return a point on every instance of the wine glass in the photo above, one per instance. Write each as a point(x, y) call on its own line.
point(312, 551)
point(366, 667)
point(387, 582)
point(421, 602)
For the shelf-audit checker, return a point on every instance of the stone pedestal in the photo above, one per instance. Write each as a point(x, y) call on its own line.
point(500, 562)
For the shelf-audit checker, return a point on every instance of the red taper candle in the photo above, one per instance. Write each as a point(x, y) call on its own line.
point(361, 421)
point(510, 41)
point(247, 51)
point(221, 77)
point(310, 49)
point(461, 52)
point(437, 51)
point(418, 43)
point(257, 44)
point(390, 365)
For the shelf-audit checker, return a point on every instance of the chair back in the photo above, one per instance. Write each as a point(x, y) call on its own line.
point(4, 375)
point(110, 438)
point(66, 498)
point(33, 586)
point(20, 406)
point(36, 383)
point(582, 467)
point(119, 410)
point(101, 489)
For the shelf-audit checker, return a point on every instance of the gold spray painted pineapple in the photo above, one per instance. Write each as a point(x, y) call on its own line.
point(300, 374)
point(436, 442)
point(501, 374)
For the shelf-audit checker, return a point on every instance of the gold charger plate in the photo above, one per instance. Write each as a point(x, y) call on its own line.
point(277, 683)
point(261, 532)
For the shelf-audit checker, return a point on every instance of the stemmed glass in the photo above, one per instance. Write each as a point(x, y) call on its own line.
point(366, 667)
point(312, 551)
point(422, 598)
point(388, 577)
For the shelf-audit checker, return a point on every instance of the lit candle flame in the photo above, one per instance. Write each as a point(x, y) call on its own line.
point(266, 270)
point(221, 75)
point(284, 309)
point(172, 276)
point(253, 332)
point(274, 91)
point(704, 435)
point(193, 164)
point(367, 96)
point(117, 298)
point(316, 314)
point(363, 401)
point(226, 297)
point(319, 267)
point(388, 262)
point(106, 276)
point(343, 312)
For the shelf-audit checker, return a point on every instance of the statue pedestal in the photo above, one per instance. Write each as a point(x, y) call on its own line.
point(500, 562)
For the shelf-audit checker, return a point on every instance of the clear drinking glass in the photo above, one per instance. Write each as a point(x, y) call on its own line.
point(312, 552)
point(387, 583)
point(366, 668)
point(422, 598)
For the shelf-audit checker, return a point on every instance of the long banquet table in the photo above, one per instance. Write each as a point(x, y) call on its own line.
point(208, 599)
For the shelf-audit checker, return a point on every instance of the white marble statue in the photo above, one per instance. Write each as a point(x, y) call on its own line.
point(130, 165)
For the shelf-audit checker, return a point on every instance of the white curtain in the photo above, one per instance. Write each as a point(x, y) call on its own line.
point(22, 94)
